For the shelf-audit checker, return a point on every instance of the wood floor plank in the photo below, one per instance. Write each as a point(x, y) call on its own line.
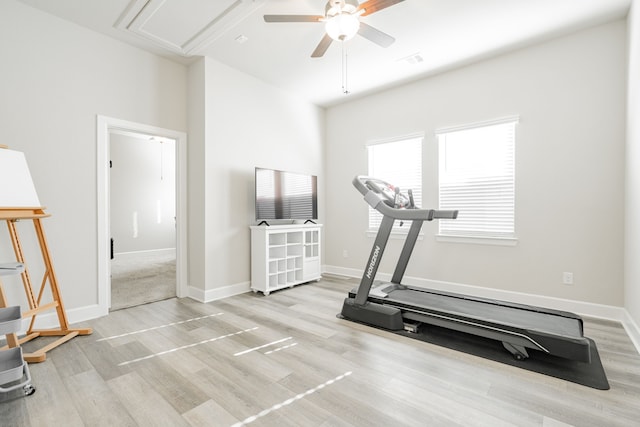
point(269, 314)
point(71, 359)
point(143, 403)
point(95, 402)
point(53, 404)
point(166, 379)
point(209, 413)
point(14, 410)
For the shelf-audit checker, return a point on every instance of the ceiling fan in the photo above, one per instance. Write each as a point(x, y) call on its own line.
point(342, 22)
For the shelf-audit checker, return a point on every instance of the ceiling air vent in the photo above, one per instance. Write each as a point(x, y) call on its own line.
point(414, 59)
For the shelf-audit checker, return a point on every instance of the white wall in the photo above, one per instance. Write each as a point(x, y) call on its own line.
point(570, 93)
point(632, 208)
point(55, 78)
point(143, 193)
point(246, 123)
point(570, 96)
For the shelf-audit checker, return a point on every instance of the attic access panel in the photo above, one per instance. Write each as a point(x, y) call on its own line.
point(184, 27)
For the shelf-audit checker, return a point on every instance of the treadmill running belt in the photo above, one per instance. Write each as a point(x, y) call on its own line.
point(483, 311)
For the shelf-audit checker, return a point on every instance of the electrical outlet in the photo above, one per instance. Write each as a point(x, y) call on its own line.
point(345, 254)
point(567, 278)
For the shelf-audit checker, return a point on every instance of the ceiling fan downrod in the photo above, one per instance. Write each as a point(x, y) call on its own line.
point(345, 89)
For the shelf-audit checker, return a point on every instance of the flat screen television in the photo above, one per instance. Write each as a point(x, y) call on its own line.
point(282, 195)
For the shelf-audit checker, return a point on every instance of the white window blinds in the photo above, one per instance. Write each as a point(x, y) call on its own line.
point(477, 177)
point(399, 162)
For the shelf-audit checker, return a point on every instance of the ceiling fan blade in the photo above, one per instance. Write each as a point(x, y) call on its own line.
point(375, 35)
point(322, 46)
point(372, 6)
point(293, 18)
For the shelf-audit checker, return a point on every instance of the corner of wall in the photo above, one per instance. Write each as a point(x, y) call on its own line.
point(633, 330)
point(205, 296)
point(632, 178)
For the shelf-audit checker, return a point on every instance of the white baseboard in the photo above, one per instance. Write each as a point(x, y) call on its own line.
point(49, 320)
point(583, 308)
point(138, 254)
point(218, 293)
point(342, 271)
point(600, 311)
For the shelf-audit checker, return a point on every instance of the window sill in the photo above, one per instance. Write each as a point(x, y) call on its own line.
point(496, 241)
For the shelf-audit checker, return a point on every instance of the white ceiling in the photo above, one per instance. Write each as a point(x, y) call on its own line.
point(444, 33)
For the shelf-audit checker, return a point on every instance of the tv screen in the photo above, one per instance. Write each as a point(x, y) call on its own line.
point(285, 195)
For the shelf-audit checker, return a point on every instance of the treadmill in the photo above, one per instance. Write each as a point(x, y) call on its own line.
point(396, 307)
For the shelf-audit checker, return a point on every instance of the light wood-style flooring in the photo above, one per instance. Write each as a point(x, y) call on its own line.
point(287, 360)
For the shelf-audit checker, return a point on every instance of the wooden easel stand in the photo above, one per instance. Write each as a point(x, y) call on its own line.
point(12, 215)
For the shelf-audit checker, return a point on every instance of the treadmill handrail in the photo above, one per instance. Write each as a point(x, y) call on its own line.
point(376, 201)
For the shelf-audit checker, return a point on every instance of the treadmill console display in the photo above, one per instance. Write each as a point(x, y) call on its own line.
point(391, 194)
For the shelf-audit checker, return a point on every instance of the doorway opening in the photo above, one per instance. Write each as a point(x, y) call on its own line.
point(142, 207)
point(143, 218)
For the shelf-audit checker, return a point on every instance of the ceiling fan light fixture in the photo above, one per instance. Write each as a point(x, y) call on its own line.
point(342, 26)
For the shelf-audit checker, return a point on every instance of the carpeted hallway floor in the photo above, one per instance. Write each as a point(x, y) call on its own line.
point(141, 278)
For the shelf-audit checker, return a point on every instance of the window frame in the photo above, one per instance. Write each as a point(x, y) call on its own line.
point(479, 236)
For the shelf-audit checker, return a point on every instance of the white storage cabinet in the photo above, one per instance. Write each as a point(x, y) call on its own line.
point(283, 256)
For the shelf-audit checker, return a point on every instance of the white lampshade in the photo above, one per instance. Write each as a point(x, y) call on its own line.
point(343, 26)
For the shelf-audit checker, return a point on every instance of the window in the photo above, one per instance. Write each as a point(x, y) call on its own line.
point(399, 162)
point(477, 177)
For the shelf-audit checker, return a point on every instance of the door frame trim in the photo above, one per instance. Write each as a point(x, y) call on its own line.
point(106, 125)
